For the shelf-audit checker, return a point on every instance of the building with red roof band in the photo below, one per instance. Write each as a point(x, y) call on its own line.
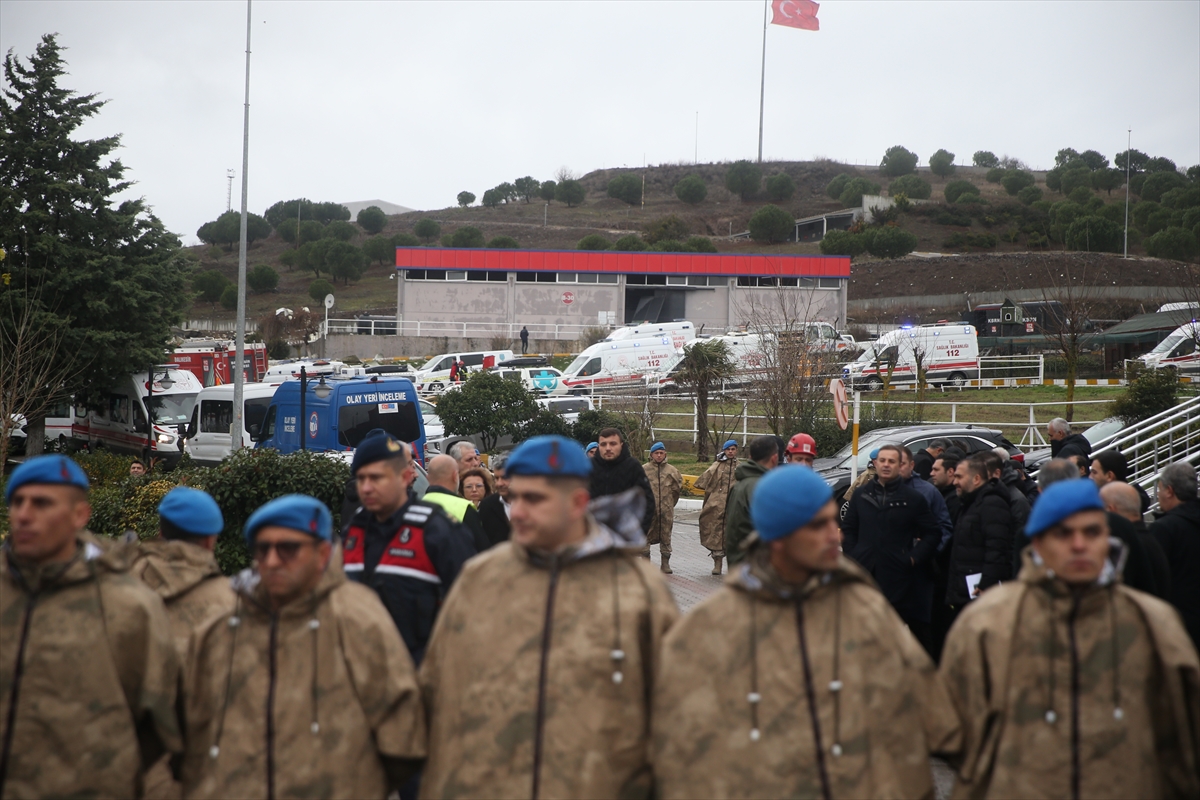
point(547, 288)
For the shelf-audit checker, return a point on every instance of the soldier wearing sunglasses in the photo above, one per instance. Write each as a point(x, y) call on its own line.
point(305, 686)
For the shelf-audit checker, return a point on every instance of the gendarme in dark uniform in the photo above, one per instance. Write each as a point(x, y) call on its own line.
point(408, 551)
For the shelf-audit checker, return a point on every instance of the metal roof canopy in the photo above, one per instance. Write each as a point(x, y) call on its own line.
point(607, 261)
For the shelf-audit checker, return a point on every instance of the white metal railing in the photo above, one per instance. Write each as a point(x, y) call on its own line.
point(754, 425)
point(1024, 367)
point(1158, 441)
point(466, 330)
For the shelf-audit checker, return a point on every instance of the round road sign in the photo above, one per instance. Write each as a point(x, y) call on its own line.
point(568, 297)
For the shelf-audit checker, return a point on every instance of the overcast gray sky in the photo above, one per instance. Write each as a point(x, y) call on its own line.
point(412, 102)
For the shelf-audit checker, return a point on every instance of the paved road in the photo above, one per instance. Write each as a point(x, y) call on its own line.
point(693, 581)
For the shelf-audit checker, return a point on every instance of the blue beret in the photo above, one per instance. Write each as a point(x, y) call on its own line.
point(787, 498)
point(657, 446)
point(729, 444)
point(591, 446)
point(875, 454)
point(46, 469)
point(550, 456)
point(377, 445)
point(1061, 500)
point(296, 511)
point(191, 510)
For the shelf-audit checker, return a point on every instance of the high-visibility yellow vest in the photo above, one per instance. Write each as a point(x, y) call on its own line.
point(454, 506)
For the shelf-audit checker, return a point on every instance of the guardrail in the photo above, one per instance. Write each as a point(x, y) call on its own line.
point(756, 425)
point(466, 330)
point(1155, 442)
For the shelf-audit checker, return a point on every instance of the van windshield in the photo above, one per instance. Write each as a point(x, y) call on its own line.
point(171, 409)
point(1167, 344)
point(355, 422)
point(576, 365)
point(868, 355)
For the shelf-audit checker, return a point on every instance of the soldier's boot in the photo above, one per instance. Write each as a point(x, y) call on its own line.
point(666, 565)
point(717, 565)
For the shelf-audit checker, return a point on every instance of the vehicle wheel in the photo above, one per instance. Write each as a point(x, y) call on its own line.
point(434, 387)
point(874, 385)
point(957, 380)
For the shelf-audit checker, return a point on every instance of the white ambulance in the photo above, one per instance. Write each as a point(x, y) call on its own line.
point(1181, 350)
point(117, 419)
point(679, 332)
point(949, 354)
point(434, 375)
point(610, 364)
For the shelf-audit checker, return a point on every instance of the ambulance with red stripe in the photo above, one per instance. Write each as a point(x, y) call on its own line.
point(947, 352)
point(1181, 350)
point(622, 363)
point(116, 420)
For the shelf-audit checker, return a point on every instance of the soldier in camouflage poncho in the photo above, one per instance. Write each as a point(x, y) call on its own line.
point(797, 679)
point(1068, 683)
point(538, 677)
point(716, 483)
point(666, 483)
point(87, 672)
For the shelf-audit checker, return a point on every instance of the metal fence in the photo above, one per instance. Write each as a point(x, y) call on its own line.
point(386, 326)
point(743, 425)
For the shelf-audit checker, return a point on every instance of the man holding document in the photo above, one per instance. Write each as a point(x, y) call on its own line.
point(982, 547)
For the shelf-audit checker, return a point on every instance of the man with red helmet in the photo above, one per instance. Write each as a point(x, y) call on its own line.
point(801, 449)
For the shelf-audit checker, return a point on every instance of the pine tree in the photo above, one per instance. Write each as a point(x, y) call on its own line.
point(104, 271)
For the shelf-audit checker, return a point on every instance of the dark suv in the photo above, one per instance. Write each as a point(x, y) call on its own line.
point(836, 469)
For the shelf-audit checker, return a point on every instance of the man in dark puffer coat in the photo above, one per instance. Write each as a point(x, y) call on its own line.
point(983, 537)
point(615, 471)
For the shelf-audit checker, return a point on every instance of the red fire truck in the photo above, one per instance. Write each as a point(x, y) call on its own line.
point(211, 360)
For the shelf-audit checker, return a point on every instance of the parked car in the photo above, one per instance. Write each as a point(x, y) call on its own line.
point(569, 408)
point(1099, 435)
point(836, 468)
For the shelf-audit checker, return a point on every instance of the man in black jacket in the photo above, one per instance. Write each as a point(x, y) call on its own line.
point(615, 471)
point(1064, 444)
point(890, 530)
point(409, 552)
point(923, 459)
point(983, 538)
point(1122, 500)
point(493, 509)
point(1178, 531)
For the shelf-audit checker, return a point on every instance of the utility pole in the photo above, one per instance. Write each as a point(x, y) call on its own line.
point(239, 370)
point(762, 88)
point(1128, 158)
point(228, 190)
point(696, 154)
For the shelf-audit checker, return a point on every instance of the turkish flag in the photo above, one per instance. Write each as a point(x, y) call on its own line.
point(800, 14)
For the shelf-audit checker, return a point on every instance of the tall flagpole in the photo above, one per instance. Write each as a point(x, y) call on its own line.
point(235, 428)
point(762, 88)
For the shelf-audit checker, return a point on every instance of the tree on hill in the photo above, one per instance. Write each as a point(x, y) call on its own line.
point(1136, 159)
point(507, 191)
point(379, 248)
point(853, 191)
point(312, 255)
point(691, 190)
point(227, 229)
point(262, 279)
point(1094, 234)
point(668, 246)
point(318, 289)
point(503, 243)
point(101, 276)
point(743, 178)
point(836, 186)
point(465, 199)
point(985, 158)
point(668, 227)
point(344, 261)
point(1161, 164)
point(229, 298)
point(891, 242)
point(405, 240)
point(310, 231)
point(329, 212)
point(1108, 179)
point(287, 230)
point(941, 163)
point(1072, 178)
point(627, 188)
point(208, 286)
point(996, 174)
point(340, 230)
point(467, 237)
point(630, 242)
point(371, 219)
point(1016, 180)
point(780, 187)
point(1094, 160)
point(771, 224)
point(1029, 195)
point(1159, 183)
point(842, 243)
point(912, 186)
point(1066, 156)
point(492, 198)
point(700, 244)
point(547, 189)
point(593, 241)
point(1174, 243)
point(898, 161)
point(956, 189)
point(526, 187)
point(570, 192)
point(427, 230)
point(287, 209)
